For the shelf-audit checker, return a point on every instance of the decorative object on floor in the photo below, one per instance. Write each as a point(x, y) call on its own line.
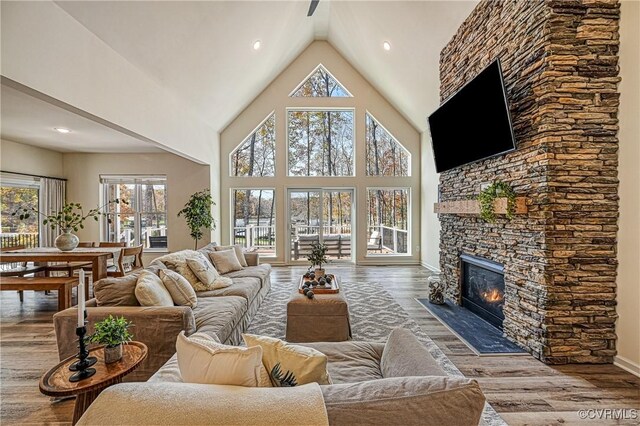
point(197, 213)
point(479, 335)
point(280, 381)
point(329, 284)
point(487, 197)
point(55, 382)
point(436, 290)
point(82, 367)
point(112, 332)
point(317, 257)
point(70, 218)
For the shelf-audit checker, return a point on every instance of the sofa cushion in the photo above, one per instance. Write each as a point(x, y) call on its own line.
point(261, 271)
point(225, 261)
point(203, 359)
point(405, 401)
point(239, 253)
point(247, 288)
point(209, 277)
point(150, 291)
point(351, 362)
point(217, 316)
point(306, 364)
point(404, 355)
point(181, 291)
point(120, 291)
point(178, 262)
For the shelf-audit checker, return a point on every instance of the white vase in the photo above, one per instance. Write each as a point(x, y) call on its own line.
point(66, 241)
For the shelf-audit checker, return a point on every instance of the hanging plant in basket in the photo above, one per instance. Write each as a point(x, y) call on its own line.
point(496, 190)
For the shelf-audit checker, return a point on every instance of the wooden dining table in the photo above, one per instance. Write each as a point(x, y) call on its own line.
point(98, 256)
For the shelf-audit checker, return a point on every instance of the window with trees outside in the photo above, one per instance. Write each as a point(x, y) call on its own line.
point(320, 142)
point(321, 84)
point(18, 193)
point(254, 220)
point(385, 156)
point(388, 221)
point(256, 155)
point(143, 219)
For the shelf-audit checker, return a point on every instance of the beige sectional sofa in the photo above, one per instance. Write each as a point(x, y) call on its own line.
point(397, 383)
point(225, 313)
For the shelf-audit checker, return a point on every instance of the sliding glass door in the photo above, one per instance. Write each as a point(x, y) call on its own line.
point(320, 216)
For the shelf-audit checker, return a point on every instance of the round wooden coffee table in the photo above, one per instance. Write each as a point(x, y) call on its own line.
point(56, 381)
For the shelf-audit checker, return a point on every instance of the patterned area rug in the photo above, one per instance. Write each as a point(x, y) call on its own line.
point(374, 313)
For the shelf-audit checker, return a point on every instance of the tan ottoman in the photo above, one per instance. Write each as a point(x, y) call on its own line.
point(325, 318)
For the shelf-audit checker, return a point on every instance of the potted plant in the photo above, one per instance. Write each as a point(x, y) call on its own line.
point(197, 212)
point(112, 332)
point(70, 218)
point(490, 194)
point(317, 257)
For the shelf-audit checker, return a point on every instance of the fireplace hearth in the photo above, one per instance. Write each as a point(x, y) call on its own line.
point(482, 285)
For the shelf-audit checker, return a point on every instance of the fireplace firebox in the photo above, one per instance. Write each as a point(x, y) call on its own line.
point(482, 285)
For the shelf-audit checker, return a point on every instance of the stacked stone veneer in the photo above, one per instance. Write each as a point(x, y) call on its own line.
point(560, 66)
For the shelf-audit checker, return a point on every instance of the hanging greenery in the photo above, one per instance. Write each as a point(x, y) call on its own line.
point(197, 212)
point(486, 198)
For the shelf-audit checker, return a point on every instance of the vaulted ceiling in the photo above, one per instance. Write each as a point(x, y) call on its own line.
point(202, 51)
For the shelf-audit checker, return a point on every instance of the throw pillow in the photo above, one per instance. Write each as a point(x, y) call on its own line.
point(120, 291)
point(151, 292)
point(178, 262)
point(225, 261)
point(307, 365)
point(238, 250)
point(209, 278)
point(202, 359)
point(179, 288)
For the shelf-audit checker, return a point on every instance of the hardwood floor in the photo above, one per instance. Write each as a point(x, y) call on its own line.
point(520, 388)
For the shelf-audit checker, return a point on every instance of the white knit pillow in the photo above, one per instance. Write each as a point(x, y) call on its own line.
point(202, 359)
point(150, 291)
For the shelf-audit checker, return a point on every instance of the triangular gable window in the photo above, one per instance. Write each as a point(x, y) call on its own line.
point(385, 156)
point(321, 84)
point(256, 155)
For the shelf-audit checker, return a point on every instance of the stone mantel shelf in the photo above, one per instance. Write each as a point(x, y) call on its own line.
point(472, 206)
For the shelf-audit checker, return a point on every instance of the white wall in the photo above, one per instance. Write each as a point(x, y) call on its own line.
point(184, 177)
point(20, 158)
point(628, 325)
point(430, 236)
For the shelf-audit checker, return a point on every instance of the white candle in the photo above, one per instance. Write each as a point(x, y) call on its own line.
point(81, 299)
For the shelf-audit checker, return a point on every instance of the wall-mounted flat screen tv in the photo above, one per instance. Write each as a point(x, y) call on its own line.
point(474, 123)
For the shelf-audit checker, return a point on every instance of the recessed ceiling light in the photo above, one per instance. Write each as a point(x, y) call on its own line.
point(61, 130)
point(386, 45)
point(257, 44)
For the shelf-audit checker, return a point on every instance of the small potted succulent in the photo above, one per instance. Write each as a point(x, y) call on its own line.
point(317, 257)
point(112, 332)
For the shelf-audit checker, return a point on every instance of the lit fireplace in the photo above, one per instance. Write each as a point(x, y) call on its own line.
point(483, 288)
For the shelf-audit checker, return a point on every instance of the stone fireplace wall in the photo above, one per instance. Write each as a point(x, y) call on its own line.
point(560, 65)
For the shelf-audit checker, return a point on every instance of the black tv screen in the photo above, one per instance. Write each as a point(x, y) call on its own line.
point(474, 123)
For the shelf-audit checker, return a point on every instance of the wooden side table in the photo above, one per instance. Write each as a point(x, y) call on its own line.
point(56, 381)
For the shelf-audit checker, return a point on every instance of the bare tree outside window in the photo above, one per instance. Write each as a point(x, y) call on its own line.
point(388, 217)
point(256, 155)
point(254, 220)
point(321, 84)
point(385, 156)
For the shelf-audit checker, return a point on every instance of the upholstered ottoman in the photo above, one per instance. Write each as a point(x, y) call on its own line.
point(325, 318)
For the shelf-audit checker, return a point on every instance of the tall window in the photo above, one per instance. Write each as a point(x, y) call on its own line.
point(388, 217)
point(18, 193)
point(320, 143)
point(254, 220)
point(385, 156)
point(256, 155)
point(143, 220)
point(321, 84)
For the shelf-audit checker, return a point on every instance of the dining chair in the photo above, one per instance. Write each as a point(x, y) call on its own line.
point(130, 260)
point(112, 244)
point(87, 244)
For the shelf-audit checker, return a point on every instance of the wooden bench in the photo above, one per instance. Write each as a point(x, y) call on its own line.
point(63, 285)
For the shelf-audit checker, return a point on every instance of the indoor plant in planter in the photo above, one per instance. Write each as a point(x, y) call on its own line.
point(70, 218)
point(494, 191)
point(112, 332)
point(317, 257)
point(197, 213)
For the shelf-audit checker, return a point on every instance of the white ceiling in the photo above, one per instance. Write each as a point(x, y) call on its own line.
point(31, 120)
point(202, 51)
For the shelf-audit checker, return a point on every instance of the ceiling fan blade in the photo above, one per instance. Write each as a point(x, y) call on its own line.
point(312, 7)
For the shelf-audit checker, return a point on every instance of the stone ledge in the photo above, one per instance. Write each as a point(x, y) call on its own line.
point(472, 207)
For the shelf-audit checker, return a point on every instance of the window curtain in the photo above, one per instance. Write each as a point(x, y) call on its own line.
point(51, 199)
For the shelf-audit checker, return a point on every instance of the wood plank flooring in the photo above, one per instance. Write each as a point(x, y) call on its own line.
point(523, 390)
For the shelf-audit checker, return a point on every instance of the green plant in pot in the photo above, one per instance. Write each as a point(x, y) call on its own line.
point(112, 332)
point(70, 218)
point(197, 213)
point(494, 191)
point(318, 257)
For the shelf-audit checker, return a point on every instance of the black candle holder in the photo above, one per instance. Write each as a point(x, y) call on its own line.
point(82, 367)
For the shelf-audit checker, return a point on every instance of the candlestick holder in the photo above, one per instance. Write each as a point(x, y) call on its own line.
point(82, 366)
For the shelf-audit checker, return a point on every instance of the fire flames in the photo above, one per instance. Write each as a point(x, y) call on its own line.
point(492, 296)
